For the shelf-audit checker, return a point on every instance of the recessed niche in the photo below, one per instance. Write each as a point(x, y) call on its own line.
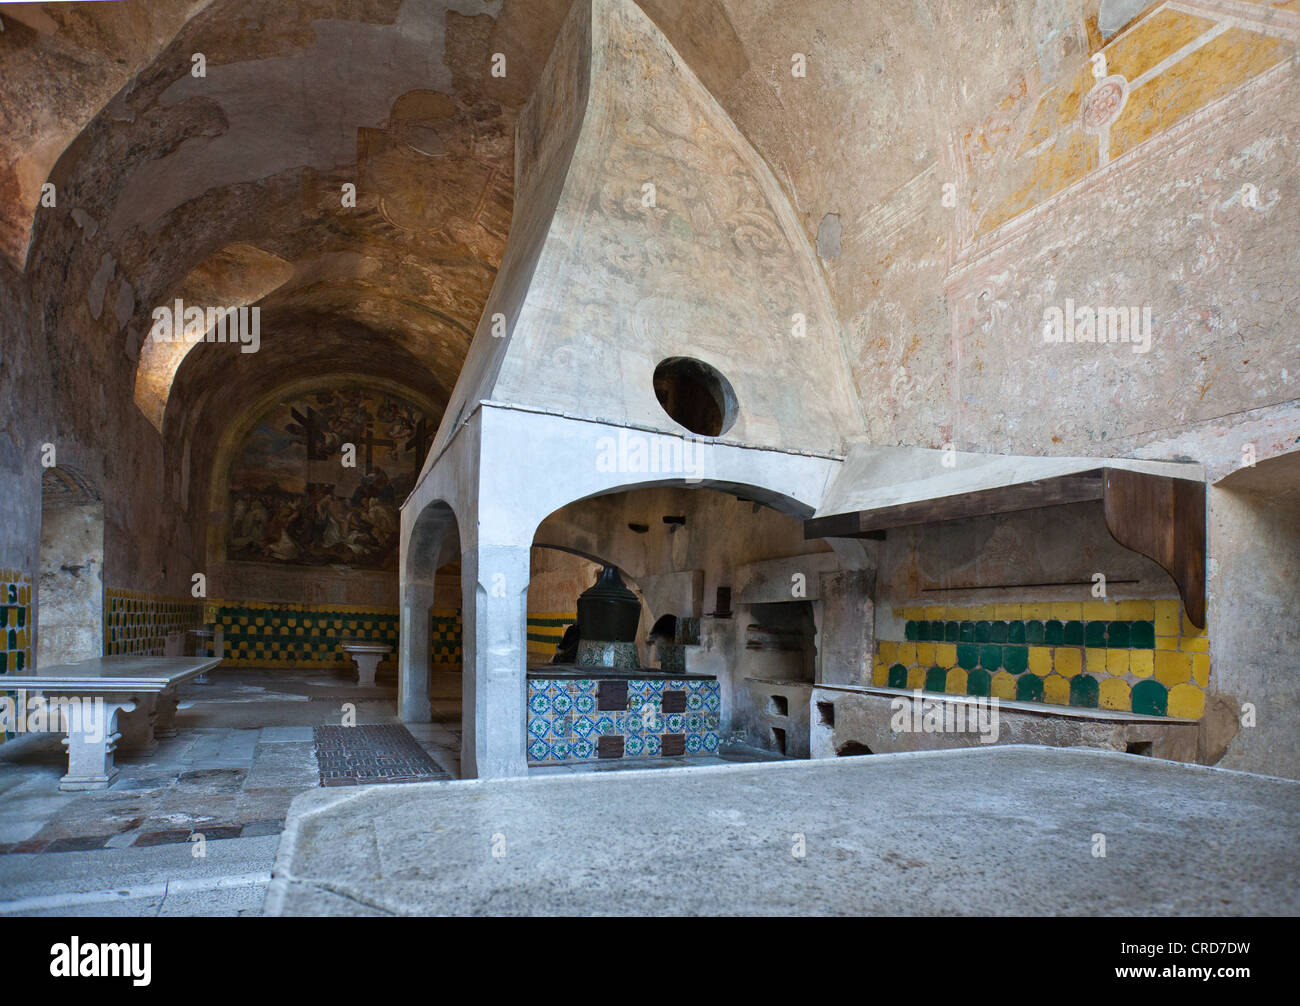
point(778, 705)
point(852, 749)
point(826, 713)
point(778, 740)
point(695, 395)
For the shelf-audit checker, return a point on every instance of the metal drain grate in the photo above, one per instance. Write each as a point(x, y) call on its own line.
point(365, 755)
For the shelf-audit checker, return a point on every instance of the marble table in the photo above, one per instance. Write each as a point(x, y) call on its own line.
point(108, 703)
point(367, 657)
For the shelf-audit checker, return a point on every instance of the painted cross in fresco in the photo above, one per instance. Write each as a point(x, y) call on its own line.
point(420, 441)
point(310, 430)
point(371, 442)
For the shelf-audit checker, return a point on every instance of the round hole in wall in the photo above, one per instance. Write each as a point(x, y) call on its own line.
point(695, 395)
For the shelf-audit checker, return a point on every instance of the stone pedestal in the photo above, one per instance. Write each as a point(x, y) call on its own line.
point(90, 749)
point(137, 726)
point(367, 657)
point(165, 723)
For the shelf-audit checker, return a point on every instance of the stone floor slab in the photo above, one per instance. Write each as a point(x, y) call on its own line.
point(1007, 830)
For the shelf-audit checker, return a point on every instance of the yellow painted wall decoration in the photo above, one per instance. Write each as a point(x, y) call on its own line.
point(1175, 60)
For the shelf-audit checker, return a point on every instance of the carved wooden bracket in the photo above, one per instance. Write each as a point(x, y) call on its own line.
point(1157, 516)
point(1164, 519)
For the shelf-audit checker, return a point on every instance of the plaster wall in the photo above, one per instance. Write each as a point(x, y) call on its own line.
point(615, 287)
point(1255, 645)
point(70, 624)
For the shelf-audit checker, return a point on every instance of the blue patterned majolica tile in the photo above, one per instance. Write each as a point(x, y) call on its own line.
point(538, 750)
point(539, 703)
point(560, 750)
point(605, 726)
point(694, 743)
point(585, 703)
point(676, 723)
point(584, 725)
point(711, 742)
point(539, 726)
point(583, 750)
point(561, 703)
point(633, 746)
point(652, 747)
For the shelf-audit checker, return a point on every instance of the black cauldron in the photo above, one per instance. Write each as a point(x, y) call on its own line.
point(608, 611)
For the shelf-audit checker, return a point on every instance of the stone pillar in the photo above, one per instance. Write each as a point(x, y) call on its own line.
point(846, 628)
point(494, 616)
point(413, 658)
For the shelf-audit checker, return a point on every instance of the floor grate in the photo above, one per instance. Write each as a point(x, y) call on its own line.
point(376, 753)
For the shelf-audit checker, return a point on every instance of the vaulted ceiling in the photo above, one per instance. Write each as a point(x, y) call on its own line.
point(232, 183)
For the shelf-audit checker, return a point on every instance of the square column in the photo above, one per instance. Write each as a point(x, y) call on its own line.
point(494, 712)
point(413, 655)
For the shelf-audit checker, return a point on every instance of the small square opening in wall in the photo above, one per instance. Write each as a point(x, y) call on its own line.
point(826, 713)
point(1138, 748)
point(778, 740)
point(778, 705)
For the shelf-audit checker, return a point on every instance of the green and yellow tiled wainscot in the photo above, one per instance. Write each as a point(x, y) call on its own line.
point(139, 623)
point(546, 629)
point(261, 634)
point(15, 624)
point(1134, 656)
point(15, 621)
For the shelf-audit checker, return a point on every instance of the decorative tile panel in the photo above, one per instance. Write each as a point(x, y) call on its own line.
point(1132, 656)
point(15, 624)
point(261, 634)
point(139, 623)
point(565, 725)
point(546, 629)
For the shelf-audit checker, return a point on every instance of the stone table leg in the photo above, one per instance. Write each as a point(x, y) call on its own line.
point(138, 727)
point(90, 742)
point(165, 724)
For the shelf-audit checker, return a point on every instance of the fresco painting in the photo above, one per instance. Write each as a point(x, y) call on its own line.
point(295, 501)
